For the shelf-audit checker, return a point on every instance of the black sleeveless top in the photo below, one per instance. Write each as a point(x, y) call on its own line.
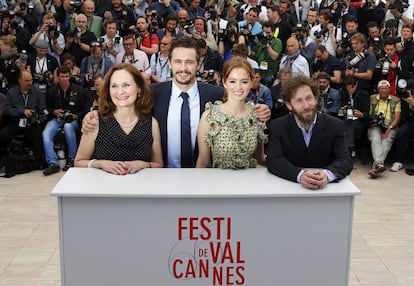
point(113, 144)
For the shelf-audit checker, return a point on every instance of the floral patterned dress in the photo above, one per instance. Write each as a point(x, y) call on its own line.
point(233, 140)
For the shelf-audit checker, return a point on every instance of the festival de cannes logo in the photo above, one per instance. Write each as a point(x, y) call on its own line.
point(205, 250)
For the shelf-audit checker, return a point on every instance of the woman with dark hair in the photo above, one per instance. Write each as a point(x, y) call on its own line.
point(229, 135)
point(128, 137)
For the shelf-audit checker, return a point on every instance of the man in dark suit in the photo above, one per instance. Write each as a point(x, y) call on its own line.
point(184, 58)
point(305, 139)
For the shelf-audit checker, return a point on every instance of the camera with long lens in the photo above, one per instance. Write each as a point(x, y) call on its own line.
point(23, 56)
point(399, 5)
point(227, 35)
point(76, 33)
point(264, 39)
point(386, 33)
point(55, 29)
point(377, 45)
point(244, 30)
point(321, 33)
point(378, 120)
point(210, 77)
point(401, 89)
point(189, 27)
point(351, 63)
point(346, 112)
point(47, 75)
point(385, 65)
point(75, 6)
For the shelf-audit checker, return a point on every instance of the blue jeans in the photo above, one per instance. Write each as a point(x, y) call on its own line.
point(70, 135)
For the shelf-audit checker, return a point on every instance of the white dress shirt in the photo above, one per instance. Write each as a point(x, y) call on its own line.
point(174, 123)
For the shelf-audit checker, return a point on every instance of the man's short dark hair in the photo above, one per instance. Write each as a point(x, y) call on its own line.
point(63, 70)
point(349, 79)
point(326, 14)
point(292, 84)
point(184, 42)
point(268, 24)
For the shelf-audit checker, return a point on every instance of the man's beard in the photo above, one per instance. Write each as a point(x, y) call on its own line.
point(306, 121)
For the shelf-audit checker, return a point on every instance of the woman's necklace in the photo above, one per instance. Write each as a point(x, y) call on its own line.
point(127, 125)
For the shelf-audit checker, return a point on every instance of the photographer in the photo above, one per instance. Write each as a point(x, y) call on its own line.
point(251, 27)
point(344, 45)
point(324, 32)
point(78, 41)
point(283, 30)
point(93, 22)
point(342, 12)
point(227, 39)
point(355, 112)
point(406, 130)
point(133, 56)
point(405, 48)
point(9, 59)
point(124, 15)
point(259, 93)
point(375, 41)
point(385, 115)
point(306, 45)
point(165, 8)
point(42, 65)
point(25, 111)
point(389, 66)
point(50, 32)
point(160, 70)
point(111, 42)
point(94, 64)
point(402, 11)
point(147, 41)
point(210, 61)
point(267, 53)
point(65, 103)
point(329, 100)
point(194, 10)
point(360, 63)
point(171, 29)
point(294, 60)
point(26, 17)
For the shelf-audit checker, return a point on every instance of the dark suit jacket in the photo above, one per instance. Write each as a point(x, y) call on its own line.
point(161, 93)
point(287, 153)
point(51, 63)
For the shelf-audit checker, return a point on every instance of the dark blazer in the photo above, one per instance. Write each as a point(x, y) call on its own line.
point(161, 93)
point(287, 153)
point(51, 63)
point(74, 103)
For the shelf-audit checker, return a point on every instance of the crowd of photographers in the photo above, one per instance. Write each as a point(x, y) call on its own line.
point(360, 53)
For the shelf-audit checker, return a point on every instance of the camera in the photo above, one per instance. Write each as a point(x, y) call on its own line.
point(75, 6)
point(401, 89)
point(385, 65)
point(67, 116)
point(33, 120)
point(13, 25)
point(23, 56)
point(321, 33)
point(130, 3)
point(346, 112)
point(264, 39)
point(74, 33)
point(189, 27)
point(351, 63)
point(378, 120)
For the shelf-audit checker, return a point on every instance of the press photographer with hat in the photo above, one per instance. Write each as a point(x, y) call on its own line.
point(385, 115)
